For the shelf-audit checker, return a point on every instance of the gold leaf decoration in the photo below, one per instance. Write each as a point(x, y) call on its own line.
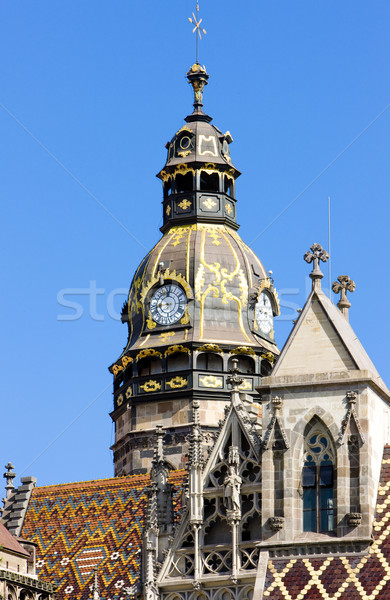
point(228, 208)
point(129, 393)
point(210, 348)
point(168, 276)
point(165, 335)
point(243, 287)
point(210, 381)
point(126, 360)
point(184, 204)
point(149, 321)
point(246, 385)
point(119, 399)
point(148, 352)
point(151, 386)
point(168, 210)
point(117, 369)
point(186, 317)
point(243, 350)
point(268, 356)
point(177, 348)
point(209, 203)
point(177, 382)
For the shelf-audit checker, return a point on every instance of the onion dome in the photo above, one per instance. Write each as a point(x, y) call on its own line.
point(199, 177)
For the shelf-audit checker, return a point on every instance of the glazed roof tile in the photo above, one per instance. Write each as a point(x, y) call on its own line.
point(92, 524)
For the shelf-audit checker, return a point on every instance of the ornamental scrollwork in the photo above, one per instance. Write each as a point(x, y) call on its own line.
point(210, 348)
point(175, 349)
point(245, 385)
point(177, 382)
point(186, 317)
point(116, 369)
point(243, 350)
point(149, 321)
point(126, 360)
point(211, 381)
point(167, 276)
point(151, 386)
point(148, 352)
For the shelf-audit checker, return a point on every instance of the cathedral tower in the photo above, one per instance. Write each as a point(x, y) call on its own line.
point(199, 299)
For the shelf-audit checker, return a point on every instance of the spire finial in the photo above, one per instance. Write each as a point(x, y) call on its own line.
point(9, 476)
point(95, 586)
point(343, 284)
point(197, 76)
point(235, 379)
point(315, 254)
point(198, 30)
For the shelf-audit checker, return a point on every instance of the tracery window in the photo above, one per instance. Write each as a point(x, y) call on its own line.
point(318, 482)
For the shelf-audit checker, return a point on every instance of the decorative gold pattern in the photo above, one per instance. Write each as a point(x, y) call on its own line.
point(186, 317)
point(126, 360)
point(165, 335)
point(129, 393)
point(243, 350)
point(167, 276)
point(148, 352)
point(177, 382)
point(151, 386)
point(149, 321)
point(209, 203)
point(210, 348)
point(176, 348)
point(246, 385)
point(215, 237)
point(218, 287)
point(168, 210)
point(228, 208)
point(117, 369)
point(184, 153)
point(210, 381)
point(243, 287)
point(268, 356)
point(119, 400)
point(184, 204)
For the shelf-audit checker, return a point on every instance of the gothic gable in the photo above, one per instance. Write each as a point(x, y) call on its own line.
point(221, 525)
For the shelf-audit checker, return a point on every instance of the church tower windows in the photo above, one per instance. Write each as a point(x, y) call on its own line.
point(318, 481)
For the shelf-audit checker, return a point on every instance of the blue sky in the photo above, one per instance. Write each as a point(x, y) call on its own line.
point(90, 93)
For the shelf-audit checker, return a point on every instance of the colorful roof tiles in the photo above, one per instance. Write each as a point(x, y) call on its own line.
point(95, 524)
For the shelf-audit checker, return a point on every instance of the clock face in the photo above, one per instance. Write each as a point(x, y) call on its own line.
point(168, 304)
point(264, 313)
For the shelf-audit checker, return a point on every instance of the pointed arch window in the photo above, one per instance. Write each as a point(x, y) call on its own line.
point(318, 482)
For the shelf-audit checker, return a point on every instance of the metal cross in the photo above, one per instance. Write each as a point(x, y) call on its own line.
point(198, 30)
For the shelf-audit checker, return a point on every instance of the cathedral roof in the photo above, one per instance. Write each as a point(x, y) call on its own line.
point(92, 524)
point(80, 526)
point(9, 542)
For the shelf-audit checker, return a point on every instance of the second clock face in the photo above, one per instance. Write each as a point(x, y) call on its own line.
point(264, 313)
point(168, 304)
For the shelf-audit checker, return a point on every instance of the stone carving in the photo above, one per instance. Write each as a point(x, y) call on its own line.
point(354, 519)
point(276, 523)
point(343, 284)
point(314, 255)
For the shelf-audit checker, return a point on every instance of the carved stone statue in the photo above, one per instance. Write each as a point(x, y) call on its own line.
point(232, 485)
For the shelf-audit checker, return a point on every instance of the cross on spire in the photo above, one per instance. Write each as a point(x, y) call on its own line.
point(314, 255)
point(198, 30)
point(343, 284)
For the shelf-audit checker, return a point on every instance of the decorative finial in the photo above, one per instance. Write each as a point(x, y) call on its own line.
point(9, 476)
point(343, 284)
point(95, 587)
point(235, 379)
point(197, 76)
point(315, 254)
point(198, 30)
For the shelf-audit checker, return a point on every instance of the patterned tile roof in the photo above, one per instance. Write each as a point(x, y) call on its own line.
point(80, 526)
point(340, 577)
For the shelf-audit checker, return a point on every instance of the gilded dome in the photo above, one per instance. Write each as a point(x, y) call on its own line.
point(221, 277)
